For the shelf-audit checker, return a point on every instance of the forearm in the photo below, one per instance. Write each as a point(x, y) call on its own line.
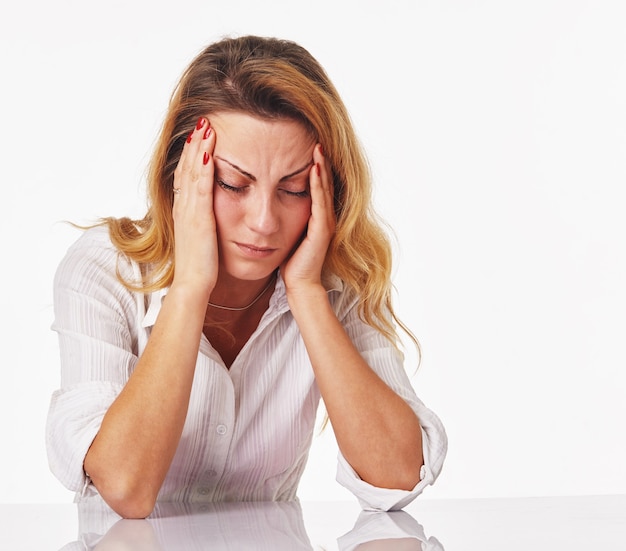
point(376, 430)
point(135, 445)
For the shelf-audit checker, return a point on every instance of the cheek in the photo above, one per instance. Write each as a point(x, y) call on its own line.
point(298, 219)
point(224, 210)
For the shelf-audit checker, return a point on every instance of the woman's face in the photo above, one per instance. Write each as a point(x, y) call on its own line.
point(261, 195)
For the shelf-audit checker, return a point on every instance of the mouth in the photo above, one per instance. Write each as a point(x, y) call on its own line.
point(255, 251)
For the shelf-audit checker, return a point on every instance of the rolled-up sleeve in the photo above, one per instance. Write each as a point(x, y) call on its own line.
point(74, 419)
point(388, 362)
point(94, 319)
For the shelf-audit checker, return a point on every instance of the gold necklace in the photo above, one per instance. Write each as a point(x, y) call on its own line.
point(257, 298)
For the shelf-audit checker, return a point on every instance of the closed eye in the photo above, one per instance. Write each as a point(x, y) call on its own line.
point(301, 194)
point(226, 187)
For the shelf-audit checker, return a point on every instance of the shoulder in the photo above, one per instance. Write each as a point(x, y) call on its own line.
point(91, 242)
point(96, 237)
point(94, 260)
point(94, 246)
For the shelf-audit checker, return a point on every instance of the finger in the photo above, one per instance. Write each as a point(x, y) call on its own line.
point(191, 144)
point(205, 161)
point(322, 193)
point(191, 167)
point(324, 166)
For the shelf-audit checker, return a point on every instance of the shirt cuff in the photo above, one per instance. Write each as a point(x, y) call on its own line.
point(373, 498)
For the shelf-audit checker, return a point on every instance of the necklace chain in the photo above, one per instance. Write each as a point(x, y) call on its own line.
point(241, 308)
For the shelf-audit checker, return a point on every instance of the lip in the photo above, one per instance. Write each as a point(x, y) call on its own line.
point(255, 251)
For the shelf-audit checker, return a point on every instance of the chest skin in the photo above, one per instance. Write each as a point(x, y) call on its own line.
point(228, 331)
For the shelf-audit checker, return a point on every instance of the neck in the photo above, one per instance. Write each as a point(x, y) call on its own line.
point(231, 297)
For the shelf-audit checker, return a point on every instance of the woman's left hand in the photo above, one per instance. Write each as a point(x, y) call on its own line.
point(303, 269)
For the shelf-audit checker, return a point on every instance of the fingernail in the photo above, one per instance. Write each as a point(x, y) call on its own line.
point(189, 137)
point(200, 124)
point(317, 169)
point(205, 159)
point(207, 132)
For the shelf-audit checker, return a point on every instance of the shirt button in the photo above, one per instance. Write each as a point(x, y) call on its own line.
point(221, 430)
point(203, 491)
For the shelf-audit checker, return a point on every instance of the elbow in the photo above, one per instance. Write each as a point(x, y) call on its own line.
point(130, 495)
point(401, 477)
point(130, 507)
point(407, 468)
point(405, 473)
point(408, 480)
point(127, 499)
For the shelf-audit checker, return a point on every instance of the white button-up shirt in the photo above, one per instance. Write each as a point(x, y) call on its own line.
point(248, 428)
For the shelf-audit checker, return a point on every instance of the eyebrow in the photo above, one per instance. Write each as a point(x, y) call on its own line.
point(253, 178)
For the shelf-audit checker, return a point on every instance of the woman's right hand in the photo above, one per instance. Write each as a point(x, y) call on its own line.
point(195, 254)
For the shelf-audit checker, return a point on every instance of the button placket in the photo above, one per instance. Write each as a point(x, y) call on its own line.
point(220, 419)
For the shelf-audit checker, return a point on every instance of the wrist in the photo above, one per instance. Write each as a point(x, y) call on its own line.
point(190, 295)
point(307, 296)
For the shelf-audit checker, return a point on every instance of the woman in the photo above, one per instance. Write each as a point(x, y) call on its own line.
point(197, 342)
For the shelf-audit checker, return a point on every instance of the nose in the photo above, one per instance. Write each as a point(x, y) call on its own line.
point(262, 214)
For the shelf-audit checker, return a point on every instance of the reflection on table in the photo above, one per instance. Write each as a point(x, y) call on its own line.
point(272, 526)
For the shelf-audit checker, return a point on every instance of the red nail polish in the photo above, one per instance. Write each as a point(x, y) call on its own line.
point(205, 159)
point(317, 169)
point(200, 123)
point(189, 137)
point(207, 132)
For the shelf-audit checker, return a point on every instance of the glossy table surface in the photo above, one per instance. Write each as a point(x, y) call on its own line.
point(537, 524)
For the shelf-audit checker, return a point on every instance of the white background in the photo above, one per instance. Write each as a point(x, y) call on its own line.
point(496, 132)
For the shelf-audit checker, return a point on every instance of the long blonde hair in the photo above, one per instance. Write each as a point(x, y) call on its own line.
point(271, 79)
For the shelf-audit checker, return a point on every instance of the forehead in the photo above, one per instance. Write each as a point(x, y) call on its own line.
point(261, 147)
